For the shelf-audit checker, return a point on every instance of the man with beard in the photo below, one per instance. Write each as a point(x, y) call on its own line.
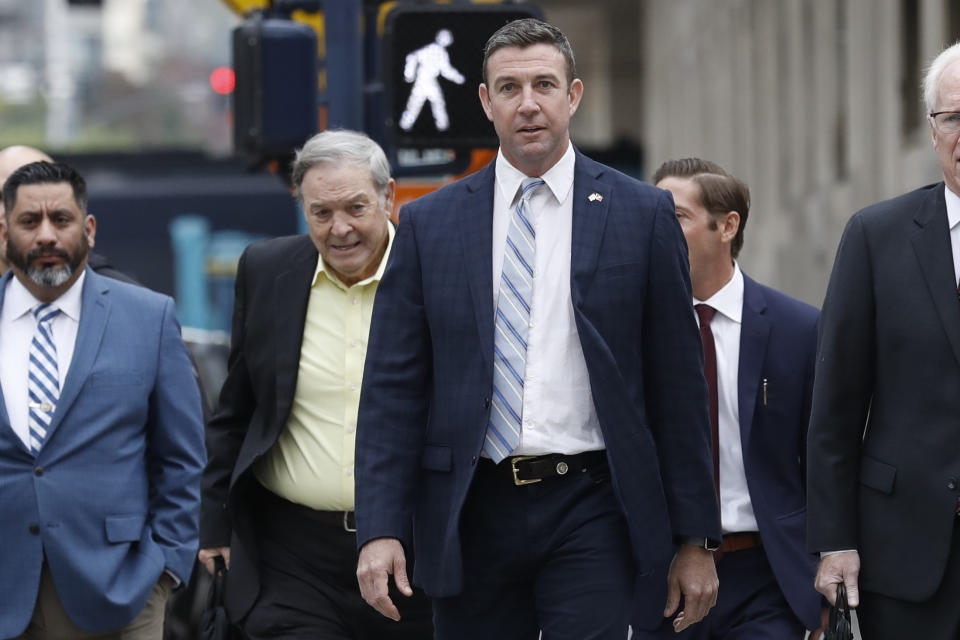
point(101, 435)
point(14, 157)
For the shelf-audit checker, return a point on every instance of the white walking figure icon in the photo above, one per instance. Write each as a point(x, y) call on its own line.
point(423, 67)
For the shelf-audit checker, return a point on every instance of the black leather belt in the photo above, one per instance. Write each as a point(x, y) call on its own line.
point(530, 469)
point(343, 519)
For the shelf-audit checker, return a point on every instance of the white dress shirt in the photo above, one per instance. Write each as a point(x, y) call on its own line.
point(736, 510)
point(558, 411)
point(953, 219)
point(17, 326)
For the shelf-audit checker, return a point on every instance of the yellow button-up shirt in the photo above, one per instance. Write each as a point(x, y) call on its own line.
point(311, 462)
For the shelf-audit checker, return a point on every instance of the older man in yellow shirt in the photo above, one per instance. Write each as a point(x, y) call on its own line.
point(278, 489)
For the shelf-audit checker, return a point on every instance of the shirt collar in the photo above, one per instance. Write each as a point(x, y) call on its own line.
point(559, 177)
point(321, 267)
point(729, 300)
point(953, 207)
point(18, 301)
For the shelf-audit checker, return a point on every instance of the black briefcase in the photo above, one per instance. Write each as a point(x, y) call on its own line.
point(214, 624)
point(839, 626)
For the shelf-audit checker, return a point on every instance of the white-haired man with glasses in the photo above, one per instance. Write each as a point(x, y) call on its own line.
point(883, 463)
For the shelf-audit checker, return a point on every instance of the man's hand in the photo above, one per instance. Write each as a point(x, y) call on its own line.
point(378, 560)
point(836, 568)
point(206, 556)
point(693, 574)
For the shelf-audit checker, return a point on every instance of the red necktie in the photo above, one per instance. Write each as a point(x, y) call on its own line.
point(706, 313)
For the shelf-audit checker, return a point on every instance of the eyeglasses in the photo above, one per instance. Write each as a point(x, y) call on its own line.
point(947, 122)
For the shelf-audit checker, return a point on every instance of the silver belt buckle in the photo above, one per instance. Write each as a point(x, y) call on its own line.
point(346, 523)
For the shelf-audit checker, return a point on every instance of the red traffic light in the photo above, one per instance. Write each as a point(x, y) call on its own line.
point(223, 80)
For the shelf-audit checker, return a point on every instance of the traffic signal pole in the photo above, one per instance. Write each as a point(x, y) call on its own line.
point(345, 76)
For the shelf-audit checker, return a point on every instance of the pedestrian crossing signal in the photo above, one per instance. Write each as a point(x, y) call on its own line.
point(433, 56)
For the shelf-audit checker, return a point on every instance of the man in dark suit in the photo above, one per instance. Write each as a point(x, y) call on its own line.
point(101, 436)
point(759, 346)
point(533, 423)
point(884, 433)
point(278, 490)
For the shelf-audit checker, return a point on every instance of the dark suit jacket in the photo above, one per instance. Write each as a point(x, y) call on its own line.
point(885, 427)
point(428, 378)
point(778, 341)
point(270, 306)
point(101, 264)
point(111, 500)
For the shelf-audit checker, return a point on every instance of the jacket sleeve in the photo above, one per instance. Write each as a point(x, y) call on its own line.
point(842, 392)
point(175, 451)
point(675, 388)
point(228, 426)
point(395, 396)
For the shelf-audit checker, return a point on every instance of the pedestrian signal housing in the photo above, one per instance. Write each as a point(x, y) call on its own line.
point(431, 69)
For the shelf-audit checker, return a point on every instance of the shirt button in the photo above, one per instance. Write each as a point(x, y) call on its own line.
point(353, 343)
point(353, 387)
point(349, 471)
point(351, 428)
point(355, 301)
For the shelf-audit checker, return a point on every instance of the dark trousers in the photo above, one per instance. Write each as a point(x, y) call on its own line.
point(750, 605)
point(883, 618)
point(308, 581)
point(552, 556)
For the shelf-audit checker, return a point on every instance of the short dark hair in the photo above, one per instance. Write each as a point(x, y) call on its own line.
point(527, 32)
point(720, 192)
point(44, 173)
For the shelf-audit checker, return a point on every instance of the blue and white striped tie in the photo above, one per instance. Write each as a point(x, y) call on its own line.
point(511, 324)
point(44, 381)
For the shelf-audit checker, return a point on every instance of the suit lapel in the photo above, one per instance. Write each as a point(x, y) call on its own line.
point(754, 333)
point(291, 294)
point(932, 246)
point(94, 313)
point(591, 201)
point(476, 237)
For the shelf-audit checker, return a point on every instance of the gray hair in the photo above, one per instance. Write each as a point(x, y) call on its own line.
point(931, 82)
point(342, 145)
point(527, 32)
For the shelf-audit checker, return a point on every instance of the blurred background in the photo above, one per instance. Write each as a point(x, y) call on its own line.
point(814, 103)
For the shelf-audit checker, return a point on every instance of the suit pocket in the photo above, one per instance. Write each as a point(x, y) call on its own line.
point(126, 528)
point(620, 270)
point(437, 458)
point(115, 379)
point(877, 475)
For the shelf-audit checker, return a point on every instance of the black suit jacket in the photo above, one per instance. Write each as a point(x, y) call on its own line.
point(885, 425)
point(271, 293)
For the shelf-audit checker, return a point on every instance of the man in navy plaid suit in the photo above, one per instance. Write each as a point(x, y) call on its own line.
point(533, 421)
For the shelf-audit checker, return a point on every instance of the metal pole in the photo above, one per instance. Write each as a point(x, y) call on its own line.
point(344, 64)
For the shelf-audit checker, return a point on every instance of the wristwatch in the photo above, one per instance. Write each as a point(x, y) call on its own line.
point(702, 543)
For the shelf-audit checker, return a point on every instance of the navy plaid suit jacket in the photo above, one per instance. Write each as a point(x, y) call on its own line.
point(428, 379)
